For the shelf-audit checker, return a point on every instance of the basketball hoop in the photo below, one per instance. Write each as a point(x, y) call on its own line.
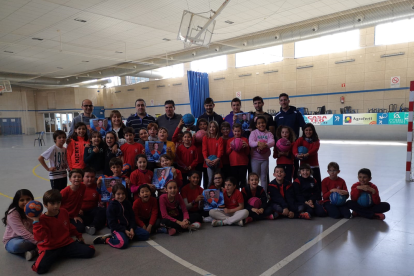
point(196, 29)
point(5, 86)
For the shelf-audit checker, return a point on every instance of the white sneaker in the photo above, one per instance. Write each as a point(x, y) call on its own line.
point(30, 255)
point(195, 226)
point(240, 223)
point(90, 230)
point(207, 219)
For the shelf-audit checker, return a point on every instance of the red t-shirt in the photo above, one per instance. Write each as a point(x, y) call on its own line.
point(72, 200)
point(238, 158)
point(191, 194)
point(91, 198)
point(186, 157)
point(329, 184)
point(138, 178)
point(234, 200)
point(54, 232)
point(213, 146)
point(145, 211)
point(129, 151)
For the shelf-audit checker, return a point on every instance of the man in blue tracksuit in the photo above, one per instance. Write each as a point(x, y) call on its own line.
point(289, 116)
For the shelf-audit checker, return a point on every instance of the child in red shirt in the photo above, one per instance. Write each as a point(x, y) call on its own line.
point(234, 212)
point(93, 215)
point(334, 184)
point(285, 159)
point(201, 125)
point(53, 231)
point(309, 140)
point(76, 147)
point(175, 216)
point(377, 208)
point(239, 160)
point(186, 156)
point(72, 199)
point(141, 176)
point(225, 131)
point(212, 145)
point(192, 195)
point(131, 148)
point(146, 209)
point(166, 161)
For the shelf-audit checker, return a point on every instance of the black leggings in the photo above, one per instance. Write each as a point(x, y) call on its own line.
point(194, 217)
point(337, 212)
point(318, 209)
point(239, 172)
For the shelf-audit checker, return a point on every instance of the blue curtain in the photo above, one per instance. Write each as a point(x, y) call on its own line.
point(198, 90)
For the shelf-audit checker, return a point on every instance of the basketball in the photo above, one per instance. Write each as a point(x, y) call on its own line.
point(255, 202)
point(236, 144)
point(337, 199)
point(302, 150)
point(212, 157)
point(199, 135)
point(283, 145)
point(33, 209)
point(188, 119)
point(365, 199)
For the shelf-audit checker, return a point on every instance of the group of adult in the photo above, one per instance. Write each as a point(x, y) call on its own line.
point(287, 116)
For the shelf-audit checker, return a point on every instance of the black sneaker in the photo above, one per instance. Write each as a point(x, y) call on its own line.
point(102, 239)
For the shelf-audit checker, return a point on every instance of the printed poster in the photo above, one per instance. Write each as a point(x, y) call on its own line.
point(213, 199)
point(154, 150)
point(161, 177)
point(323, 119)
point(101, 125)
point(244, 119)
point(106, 187)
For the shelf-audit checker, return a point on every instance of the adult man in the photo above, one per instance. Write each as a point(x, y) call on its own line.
point(258, 105)
point(87, 115)
point(140, 119)
point(289, 116)
point(170, 119)
point(210, 115)
point(231, 118)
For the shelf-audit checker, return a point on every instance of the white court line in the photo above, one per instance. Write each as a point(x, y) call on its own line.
point(179, 260)
point(302, 249)
point(318, 238)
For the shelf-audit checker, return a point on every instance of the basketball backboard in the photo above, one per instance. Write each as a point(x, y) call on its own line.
point(191, 30)
point(5, 86)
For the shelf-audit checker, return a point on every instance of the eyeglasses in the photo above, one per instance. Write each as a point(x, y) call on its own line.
point(88, 105)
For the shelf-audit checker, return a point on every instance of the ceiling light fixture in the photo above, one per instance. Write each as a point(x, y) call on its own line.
point(85, 60)
point(393, 55)
point(166, 39)
point(118, 52)
point(80, 20)
point(36, 38)
point(10, 52)
point(59, 67)
point(229, 22)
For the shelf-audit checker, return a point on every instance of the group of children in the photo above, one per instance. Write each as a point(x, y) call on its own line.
point(138, 209)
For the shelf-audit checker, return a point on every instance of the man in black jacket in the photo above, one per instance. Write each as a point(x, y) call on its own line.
point(210, 115)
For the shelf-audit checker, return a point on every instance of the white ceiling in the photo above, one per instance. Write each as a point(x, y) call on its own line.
point(134, 27)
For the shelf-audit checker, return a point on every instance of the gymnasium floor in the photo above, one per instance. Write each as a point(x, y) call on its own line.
point(322, 246)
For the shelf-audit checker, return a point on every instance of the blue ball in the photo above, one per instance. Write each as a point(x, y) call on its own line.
point(33, 208)
point(212, 157)
point(188, 119)
point(302, 150)
point(337, 199)
point(365, 199)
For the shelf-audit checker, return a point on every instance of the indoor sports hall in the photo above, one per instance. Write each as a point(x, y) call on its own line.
point(346, 68)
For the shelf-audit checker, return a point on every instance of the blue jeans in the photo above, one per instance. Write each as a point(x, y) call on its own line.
point(19, 246)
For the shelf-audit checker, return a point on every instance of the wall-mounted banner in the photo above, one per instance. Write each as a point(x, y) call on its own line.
point(360, 119)
point(323, 119)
